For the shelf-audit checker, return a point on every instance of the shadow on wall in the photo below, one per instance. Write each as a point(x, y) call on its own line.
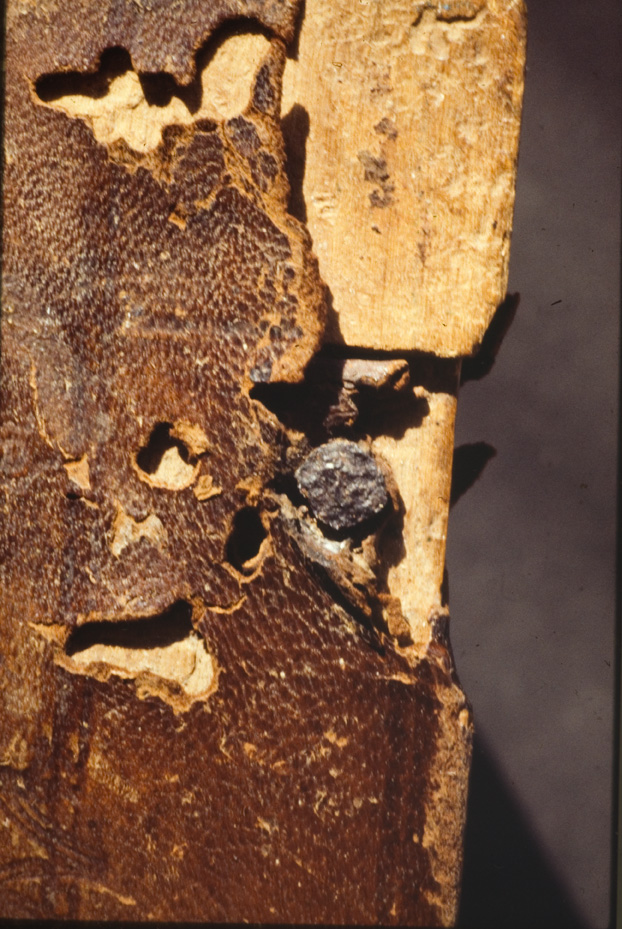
point(507, 881)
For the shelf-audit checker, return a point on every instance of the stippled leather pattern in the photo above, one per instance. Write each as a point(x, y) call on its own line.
point(143, 296)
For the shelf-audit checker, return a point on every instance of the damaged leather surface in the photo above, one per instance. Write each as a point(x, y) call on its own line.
point(195, 725)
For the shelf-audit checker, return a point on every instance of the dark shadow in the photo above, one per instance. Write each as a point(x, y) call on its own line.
point(303, 407)
point(244, 542)
point(160, 441)
point(384, 414)
point(159, 89)
point(333, 336)
point(173, 625)
point(113, 62)
point(507, 883)
point(468, 465)
point(445, 588)
point(295, 129)
point(426, 369)
point(481, 363)
point(293, 49)
point(321, 408)
point(313, 406)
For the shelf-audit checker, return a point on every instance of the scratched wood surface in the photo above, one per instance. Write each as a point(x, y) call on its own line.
point(412, 123)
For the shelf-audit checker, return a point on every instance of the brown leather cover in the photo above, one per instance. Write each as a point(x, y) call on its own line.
point(143, 297)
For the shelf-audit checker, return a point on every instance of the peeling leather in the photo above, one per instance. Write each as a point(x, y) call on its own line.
point(294, 792)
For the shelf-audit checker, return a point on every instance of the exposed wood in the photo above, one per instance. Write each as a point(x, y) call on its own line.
point(410, 209)
point(421, 459)
point(125, 113)
point(413, 114)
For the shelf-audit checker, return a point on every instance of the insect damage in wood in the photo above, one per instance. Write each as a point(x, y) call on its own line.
point(376, 172)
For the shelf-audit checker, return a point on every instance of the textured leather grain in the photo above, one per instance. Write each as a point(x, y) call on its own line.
point(143, 297)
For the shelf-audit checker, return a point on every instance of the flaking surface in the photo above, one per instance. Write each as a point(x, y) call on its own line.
point(143, 295)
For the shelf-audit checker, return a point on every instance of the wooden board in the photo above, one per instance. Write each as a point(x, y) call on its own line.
point(412, 115)
point(420, 457)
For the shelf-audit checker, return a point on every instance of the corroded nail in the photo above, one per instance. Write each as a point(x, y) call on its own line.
point(342, 484)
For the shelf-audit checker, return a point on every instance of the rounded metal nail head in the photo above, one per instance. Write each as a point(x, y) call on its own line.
point(342, 484)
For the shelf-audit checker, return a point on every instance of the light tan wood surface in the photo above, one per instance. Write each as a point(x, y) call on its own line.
point(413, 121)
point(421, 462)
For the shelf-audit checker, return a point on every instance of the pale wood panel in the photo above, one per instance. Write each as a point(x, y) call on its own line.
point(414, 113)
point(421, 462)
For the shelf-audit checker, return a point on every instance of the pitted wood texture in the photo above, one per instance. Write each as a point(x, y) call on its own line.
point(420, 454)
point(195, 724)
point(408, 148)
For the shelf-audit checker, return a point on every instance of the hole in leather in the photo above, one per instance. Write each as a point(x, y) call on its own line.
point(166, 460)
point(245, 540)
point(113, 63)
point(159, 631)
point(162, 653)
point(121, 103)
point(160, 441)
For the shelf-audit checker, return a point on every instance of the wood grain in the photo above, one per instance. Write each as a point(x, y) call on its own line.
point(410, 160)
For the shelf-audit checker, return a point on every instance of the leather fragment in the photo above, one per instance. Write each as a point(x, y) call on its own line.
point(144, 293)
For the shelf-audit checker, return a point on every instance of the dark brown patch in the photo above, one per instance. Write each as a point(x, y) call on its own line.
point(377, 172)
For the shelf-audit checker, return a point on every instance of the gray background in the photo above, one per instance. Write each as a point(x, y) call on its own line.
point(531, 550)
